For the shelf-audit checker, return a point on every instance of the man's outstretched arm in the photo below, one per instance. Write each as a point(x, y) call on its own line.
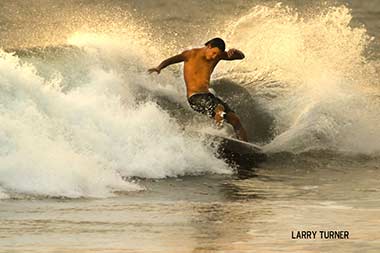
point(172, 60)
point(232, 54)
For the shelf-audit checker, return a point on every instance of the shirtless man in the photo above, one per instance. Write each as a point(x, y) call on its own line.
point(199, 63)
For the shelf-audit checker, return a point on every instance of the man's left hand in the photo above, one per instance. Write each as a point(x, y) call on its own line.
point(234, 52)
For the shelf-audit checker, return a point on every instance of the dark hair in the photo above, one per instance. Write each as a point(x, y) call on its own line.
point(216, 42)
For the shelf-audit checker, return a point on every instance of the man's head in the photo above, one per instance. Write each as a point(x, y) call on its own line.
point(214, 48)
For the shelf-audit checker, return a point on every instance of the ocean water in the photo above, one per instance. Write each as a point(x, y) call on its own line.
point(95, 155)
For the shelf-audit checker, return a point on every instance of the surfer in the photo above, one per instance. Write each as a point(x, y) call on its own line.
point(199, 63)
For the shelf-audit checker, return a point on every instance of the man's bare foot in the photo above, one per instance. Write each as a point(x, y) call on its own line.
point(241, 134)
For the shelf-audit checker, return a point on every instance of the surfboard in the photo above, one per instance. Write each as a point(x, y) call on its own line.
point(239, 153)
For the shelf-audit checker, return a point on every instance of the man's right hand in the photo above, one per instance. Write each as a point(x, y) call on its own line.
point(157, 70)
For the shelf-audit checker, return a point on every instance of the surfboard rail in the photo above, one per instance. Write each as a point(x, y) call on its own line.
point(242, 154)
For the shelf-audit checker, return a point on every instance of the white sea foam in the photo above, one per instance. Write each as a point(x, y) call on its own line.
point(73, 126)
point(318, 83)
point(81, 140)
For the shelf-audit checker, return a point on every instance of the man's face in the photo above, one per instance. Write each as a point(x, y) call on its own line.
point(212, 52)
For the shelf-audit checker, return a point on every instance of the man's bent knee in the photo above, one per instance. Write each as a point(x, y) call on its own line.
point(219, 115)
point(219, 109)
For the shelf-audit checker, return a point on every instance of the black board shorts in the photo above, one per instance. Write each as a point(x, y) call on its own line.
point(206, 103)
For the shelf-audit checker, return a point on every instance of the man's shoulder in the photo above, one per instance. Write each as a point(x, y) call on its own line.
point(192, 52)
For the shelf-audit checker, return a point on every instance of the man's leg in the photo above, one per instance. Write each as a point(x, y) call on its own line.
point(234, 120)
point(219, 115)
